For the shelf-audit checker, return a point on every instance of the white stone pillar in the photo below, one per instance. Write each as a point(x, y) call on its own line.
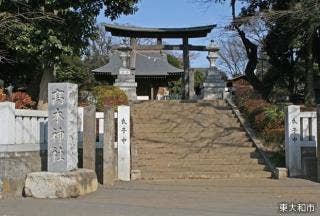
point(293, 140)
point(7, 123)
point(124, 158)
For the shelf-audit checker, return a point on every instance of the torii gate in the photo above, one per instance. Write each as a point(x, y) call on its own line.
point(159, 34)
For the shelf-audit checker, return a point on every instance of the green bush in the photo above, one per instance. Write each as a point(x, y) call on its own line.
point(274, 116)
point(110, 96)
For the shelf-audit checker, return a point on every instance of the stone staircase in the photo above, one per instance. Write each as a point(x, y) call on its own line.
point(191, 140)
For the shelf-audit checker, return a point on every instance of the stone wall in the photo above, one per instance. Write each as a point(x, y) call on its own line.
point(13, 169)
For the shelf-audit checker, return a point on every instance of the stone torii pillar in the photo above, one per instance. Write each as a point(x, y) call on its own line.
point(188, 78)
point(186, 67)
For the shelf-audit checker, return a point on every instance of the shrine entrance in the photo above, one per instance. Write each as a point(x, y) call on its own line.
point(160, 33)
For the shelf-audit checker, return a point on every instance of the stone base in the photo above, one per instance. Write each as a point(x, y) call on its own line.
point(60, 185)
point(135, 174)
point(281, 173)
point(213, 90)
point(130, 88)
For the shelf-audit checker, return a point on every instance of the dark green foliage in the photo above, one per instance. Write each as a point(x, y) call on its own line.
point(36, 35)
point(175, 88)
point(198, 79)
point(118, 7)
point(174, 61)
point(71, 69)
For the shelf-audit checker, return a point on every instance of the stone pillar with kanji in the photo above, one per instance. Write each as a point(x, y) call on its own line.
point(62, 127)
point(292, 140)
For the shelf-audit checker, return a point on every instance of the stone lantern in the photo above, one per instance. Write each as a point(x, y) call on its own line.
point(212, 53)
point(126, 76)
point(213, 86)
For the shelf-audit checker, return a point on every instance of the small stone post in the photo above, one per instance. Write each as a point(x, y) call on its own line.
point(318, 146)
point(108, 147)
point(62, 127)
point(89, 137)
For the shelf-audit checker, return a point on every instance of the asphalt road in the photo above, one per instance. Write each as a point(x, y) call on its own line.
point(250, 197)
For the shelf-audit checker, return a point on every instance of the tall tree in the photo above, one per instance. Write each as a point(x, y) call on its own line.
point(40, 43)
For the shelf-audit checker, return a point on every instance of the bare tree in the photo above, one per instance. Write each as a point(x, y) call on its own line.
point(232, 56)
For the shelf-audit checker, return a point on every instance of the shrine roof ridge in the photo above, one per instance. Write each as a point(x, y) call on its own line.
point(140, 32)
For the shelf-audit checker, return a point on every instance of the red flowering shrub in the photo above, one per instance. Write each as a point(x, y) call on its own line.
point(22, 100)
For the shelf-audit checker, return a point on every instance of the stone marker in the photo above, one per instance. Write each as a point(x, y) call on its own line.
point(89, 137)
point(124, 165)
point(60, 185)
point(108, 147)
point(62, 127)
point(63, 180)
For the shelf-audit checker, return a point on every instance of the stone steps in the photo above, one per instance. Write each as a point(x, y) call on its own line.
point(145, 144)
point(158, 104)
point(176, 140)
point(151, 127)
point(202, 168)
point(180, 154)
point(202, 141)
point(203, 175)
point(215, 161)
point(214, 156)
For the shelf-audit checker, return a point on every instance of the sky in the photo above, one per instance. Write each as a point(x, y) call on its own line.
point(179, 13)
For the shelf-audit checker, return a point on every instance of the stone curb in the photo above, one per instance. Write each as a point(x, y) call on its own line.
point(257, 143)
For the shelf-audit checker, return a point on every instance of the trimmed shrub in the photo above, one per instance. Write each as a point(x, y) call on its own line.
point(109, 95)
point(22, 100)
point(265, 118)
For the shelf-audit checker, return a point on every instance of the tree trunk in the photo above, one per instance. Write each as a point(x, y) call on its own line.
point(43, 91)
point(309, 93)
point(252, 54)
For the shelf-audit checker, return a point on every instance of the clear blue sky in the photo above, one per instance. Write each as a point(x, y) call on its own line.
point(179, 13)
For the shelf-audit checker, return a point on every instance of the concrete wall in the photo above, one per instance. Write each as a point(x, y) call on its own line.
point(13, 169)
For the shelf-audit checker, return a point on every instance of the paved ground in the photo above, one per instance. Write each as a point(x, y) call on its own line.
point(215, 197)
